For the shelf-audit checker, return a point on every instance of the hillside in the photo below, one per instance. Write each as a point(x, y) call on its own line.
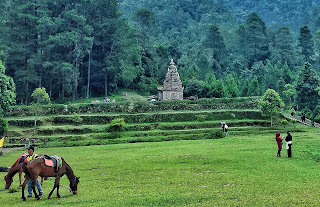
point(89, 124)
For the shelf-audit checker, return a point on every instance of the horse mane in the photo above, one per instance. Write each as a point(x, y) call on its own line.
point(69, 171)
point(14, 170)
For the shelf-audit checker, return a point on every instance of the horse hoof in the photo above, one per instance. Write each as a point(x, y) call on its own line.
point(24, 199)
point(38, 198)
point(49, 197)
point(58, 196)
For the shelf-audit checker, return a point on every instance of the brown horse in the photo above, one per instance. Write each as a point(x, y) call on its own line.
point(36, 168)
point(21, 170)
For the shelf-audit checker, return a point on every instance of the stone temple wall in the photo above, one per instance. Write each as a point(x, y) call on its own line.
point(172, 86)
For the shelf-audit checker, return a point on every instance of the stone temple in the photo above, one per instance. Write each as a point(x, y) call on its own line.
point(172, 86)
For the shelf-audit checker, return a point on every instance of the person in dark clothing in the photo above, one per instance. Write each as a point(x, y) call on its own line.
point(303, 117)
point(279, 142)
point(222, 126)
point(289, 143)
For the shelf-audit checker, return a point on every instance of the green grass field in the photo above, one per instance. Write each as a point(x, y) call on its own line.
point(238, 170)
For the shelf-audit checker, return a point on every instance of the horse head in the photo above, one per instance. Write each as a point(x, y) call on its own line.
point(74, 185)
point(8, 181)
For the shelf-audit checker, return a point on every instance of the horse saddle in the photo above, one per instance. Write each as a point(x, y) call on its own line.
point(53, 161)
point(23, 158)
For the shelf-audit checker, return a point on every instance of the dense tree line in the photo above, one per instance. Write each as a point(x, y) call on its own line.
point(96, 47)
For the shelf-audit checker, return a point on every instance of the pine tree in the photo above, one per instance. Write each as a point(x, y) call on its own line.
point(256, 39)
point(307, 84)
point(215, 42)
point(285, 46)
point(7, 90)
point(306, 43)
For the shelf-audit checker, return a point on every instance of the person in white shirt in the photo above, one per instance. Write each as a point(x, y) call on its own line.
point(226, 129)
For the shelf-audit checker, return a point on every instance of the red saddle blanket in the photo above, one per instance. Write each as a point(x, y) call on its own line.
point(23, 158)
point(53, 161)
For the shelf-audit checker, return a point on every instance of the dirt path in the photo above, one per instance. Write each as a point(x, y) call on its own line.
point(308, 122)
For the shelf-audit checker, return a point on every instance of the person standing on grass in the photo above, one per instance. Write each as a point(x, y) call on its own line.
point(32, 156)
point(289, 143)
point(226, 128)
point(279, 142)
point(222, 126)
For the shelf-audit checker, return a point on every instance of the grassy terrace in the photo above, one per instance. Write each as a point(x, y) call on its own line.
point(239, 170)
point(139, 167)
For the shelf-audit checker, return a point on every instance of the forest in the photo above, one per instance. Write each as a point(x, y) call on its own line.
point(93, 48)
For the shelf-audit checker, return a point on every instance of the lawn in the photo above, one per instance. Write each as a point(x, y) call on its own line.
point(238, 170)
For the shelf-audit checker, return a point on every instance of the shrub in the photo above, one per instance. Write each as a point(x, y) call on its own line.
point(201, 117)
point(117, 125)
point(216, 134)
point(284, 122)
point(3, 127)
point(76, 118)
point(317, 118)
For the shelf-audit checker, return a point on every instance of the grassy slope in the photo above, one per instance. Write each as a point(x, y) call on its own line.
point(234, 171)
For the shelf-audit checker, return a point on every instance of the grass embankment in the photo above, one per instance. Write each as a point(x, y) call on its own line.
point(239, 170)
point(61, 130)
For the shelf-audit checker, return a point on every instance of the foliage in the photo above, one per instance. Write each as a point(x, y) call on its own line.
point(95, 48)
point(306, 43)
point(284, 122)
point(7, 90)
point(117, 125)
point(40, 96)
point(3, 127)
point(76, 118)
point(306, 87)
point(270, 104)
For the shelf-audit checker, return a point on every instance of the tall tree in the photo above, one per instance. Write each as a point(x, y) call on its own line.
point(306, 43)
point(270, 104)
point(65, 43)
point(23, 46)
point(256, 39)
point(7, 90)
point(215, 42)
point(307, 88)
point(285, 46)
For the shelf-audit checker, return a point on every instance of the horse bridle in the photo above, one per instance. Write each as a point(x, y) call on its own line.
point(62, 186)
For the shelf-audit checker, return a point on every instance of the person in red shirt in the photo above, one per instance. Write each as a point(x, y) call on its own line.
point(279, 142)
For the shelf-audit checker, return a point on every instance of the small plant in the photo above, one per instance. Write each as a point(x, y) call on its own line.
point(3, 127)
point(76, 118)
point(284, 122)
point(293, 121)
point(117, 125)
point(201, 117)
point(216, 134)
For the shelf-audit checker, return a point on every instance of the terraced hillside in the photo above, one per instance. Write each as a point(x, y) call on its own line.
point(88, 124)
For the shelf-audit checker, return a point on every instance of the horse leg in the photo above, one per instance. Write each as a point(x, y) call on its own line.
point(56, 184)
point(20, 172)
point(33, 186)
point(58, 195)
point(41, 181)
point(23, 186)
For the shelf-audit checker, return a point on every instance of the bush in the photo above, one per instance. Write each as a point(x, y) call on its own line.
point(216, 134)
point(3, 127)
point(201, 117)
point(76, 118)
point(117, 125)
point(284, 122)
